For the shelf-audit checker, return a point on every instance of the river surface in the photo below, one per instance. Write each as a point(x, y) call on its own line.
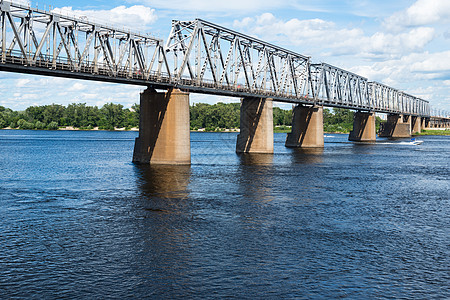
point(79, 220)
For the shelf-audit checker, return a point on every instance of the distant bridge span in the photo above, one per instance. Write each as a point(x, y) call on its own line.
point(198, 57)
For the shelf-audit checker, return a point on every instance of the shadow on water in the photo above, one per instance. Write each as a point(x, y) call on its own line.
point(255, 159)
point(164, 226)
point(256, 176)
point(163, 182)
point(307, 155)
point(363, 148)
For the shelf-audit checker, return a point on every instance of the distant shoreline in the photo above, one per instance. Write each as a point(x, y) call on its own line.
point(70, 128)
point(426, 132)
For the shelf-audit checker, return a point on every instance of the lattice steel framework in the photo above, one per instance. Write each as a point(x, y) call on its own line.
point(208, 55)
point(335, 87)
point(387, 99)
point(440, 113)
point(41, 40)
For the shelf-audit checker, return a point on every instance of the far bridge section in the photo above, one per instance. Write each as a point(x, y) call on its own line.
point(202, 57)
point(439, 120)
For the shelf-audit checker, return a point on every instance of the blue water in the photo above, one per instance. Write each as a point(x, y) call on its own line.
point(79, 220)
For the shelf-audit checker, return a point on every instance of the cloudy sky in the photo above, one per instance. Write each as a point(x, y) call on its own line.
point(402, 43)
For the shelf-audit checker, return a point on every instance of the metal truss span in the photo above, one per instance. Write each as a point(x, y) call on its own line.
point(336, 87)
point(199, 56)
point(208, 55)
point(42, 42)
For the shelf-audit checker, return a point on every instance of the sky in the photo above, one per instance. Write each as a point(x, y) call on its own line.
point(404, 43)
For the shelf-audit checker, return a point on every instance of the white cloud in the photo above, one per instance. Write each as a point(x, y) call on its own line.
point(319, 35)
point(415, 66)
point(418, 74)
point(296, 31)
point(34, 90)
point(214, 5)
point(433, 63)
point(77, 86)
point(393, 44)
point(28, 96)
point(137, 17)
point(22, 82)
point(421, 13)
point(23, 2)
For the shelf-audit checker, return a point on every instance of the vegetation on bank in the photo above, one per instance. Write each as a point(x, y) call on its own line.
point(222, 116)
point(77, 115)
point(433, 132)
point(206, 117)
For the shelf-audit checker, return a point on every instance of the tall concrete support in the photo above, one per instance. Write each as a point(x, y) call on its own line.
point(307, 128)
point(416, 124)
point(423, 123)
point(364, 129)
point(256, 133)
point(395, 127)
point(164, 133)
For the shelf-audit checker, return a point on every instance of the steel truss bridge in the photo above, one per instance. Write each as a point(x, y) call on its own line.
point(198, 57)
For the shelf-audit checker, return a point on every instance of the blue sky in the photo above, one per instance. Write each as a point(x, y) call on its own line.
point(404, 44)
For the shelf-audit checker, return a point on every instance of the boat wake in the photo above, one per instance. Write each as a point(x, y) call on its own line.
point(412, 142)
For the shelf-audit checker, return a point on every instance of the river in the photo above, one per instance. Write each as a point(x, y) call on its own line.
point(79, 220)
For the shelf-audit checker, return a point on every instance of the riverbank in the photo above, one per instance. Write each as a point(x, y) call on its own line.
point(434, 132)
point(70, 128)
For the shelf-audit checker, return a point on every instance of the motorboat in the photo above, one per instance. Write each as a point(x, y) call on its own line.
point(415, 142)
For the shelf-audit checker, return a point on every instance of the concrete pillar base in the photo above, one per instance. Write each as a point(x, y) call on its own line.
point(395, 127)
point(364, 129)
point(256, 132)
point(424, 123)
point(416, 125)
point(307, 128)
point(164, 133)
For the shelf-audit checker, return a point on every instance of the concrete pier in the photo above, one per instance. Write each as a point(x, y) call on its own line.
point(256, 132)
point(307, 128)
point(416, 124)
point(364, 129)
point(424, 124)
point(164, 133)
point(396, 126)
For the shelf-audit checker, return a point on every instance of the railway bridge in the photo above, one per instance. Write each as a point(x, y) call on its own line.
point(202, 57)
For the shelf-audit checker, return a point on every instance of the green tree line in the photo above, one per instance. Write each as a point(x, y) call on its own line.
point(78, 115)
point(210, 117)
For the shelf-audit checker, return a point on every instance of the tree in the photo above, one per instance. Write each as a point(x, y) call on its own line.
point(132, 116)
point(53, 113)
point(52, 126)
point(282, 117)
point(23, 124)
point(35, 113)
point(112, 115)
point(40, 125)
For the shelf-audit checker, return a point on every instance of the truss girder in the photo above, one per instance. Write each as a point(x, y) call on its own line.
point(336, 87)
point(394, 101)
point(333, 85)
point(38, 38)
point(209, 55)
